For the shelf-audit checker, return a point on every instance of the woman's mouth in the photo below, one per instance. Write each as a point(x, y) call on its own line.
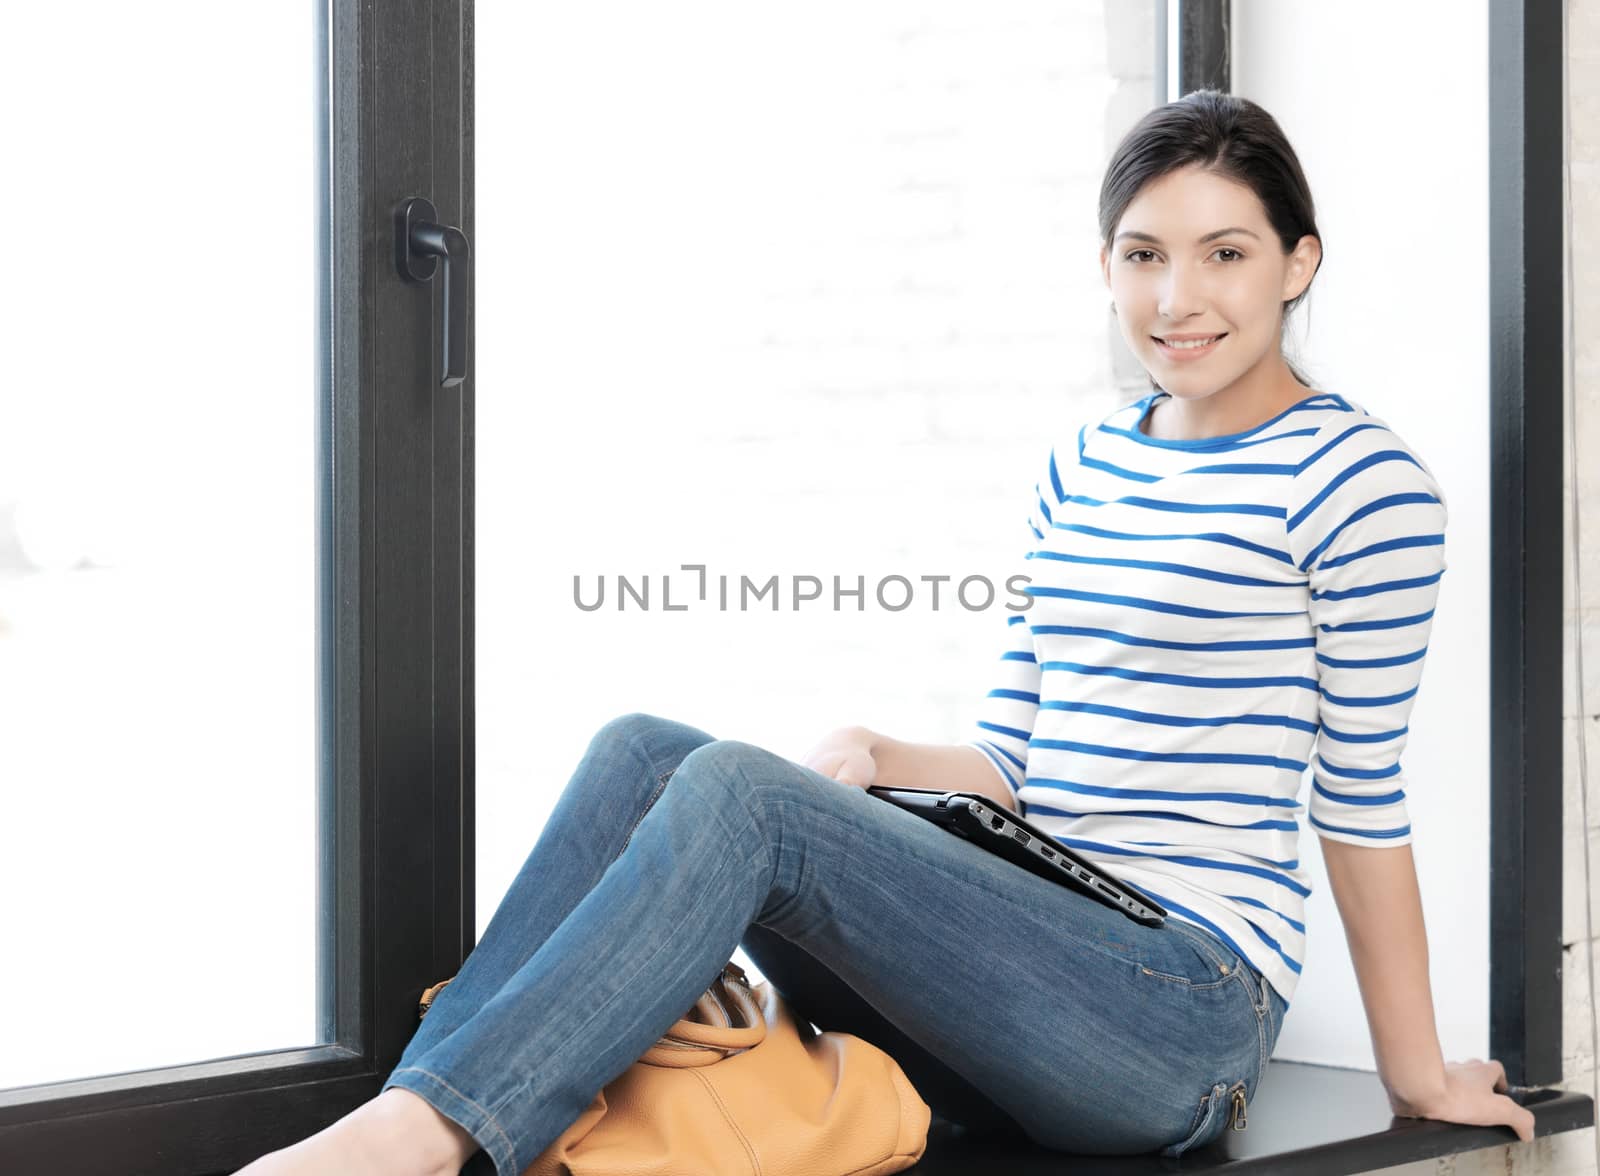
point(1188, 350)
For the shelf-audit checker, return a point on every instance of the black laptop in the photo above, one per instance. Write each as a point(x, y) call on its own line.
point(979, 819)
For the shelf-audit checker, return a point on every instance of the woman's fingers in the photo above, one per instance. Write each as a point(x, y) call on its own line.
point(852, 767)
point(857, 769)
point(1471, 1096)
point(1525, 1124)
point(843, 756)
point(1518, 1117)
point(1492, 1108)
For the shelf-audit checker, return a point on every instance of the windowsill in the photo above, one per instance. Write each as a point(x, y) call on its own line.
point(1306, 1118)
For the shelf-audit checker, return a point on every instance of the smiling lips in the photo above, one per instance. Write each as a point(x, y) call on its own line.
point(1188, 349)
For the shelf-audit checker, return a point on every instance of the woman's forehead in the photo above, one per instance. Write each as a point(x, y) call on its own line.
point(1184, 205)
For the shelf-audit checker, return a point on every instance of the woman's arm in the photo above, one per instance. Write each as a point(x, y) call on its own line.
point(1380, 905)
point(937, 765)
point(1375, 889)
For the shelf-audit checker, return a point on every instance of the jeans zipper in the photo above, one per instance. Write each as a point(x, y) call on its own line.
point(1237, 1092)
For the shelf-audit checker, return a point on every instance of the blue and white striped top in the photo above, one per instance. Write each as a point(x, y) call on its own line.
point(1206, 620)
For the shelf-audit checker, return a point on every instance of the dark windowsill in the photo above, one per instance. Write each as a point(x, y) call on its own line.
point(1309, 1119)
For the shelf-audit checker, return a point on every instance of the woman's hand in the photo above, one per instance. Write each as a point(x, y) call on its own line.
point(1470, 1096)
point(846, 755)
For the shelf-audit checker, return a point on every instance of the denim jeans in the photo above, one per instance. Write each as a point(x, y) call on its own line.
point(1013, 1003)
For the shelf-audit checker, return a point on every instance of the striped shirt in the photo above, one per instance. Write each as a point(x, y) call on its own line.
point(1206, 620)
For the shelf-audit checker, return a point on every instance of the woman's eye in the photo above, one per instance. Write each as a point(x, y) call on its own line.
point(1237, 256)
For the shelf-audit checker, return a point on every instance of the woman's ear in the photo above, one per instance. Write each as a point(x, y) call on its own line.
point(1302, 267)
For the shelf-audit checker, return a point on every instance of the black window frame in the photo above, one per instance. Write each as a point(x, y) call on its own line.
point(394, 690)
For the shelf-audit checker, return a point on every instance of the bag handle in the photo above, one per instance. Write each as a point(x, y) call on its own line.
point(428, 994)
point(727, 1019)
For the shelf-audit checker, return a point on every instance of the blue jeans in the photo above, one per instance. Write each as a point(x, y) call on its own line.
point(1014, 1004)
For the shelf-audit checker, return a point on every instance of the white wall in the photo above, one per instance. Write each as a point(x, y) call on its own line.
point(1387, 107)
point(780, 290)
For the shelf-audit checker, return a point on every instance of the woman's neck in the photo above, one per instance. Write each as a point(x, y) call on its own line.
point(1172, 418)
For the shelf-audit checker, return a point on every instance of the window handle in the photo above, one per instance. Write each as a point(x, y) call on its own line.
point(420, 240)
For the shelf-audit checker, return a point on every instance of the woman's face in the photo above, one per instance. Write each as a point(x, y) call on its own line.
point(1194, 255)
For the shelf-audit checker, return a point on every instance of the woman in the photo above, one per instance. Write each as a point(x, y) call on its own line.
point(1233, 578)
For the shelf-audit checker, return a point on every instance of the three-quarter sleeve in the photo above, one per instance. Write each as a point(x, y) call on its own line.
point(1366, 522)
point(1005, 715)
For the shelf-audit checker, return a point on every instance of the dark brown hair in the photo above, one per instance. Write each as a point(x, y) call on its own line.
point(1231, 137)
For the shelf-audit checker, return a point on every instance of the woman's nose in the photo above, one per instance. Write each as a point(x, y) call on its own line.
point(1181, 295)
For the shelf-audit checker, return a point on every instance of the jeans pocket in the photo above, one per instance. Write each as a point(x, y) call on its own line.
point(1208, 1121)
point(1204, 966)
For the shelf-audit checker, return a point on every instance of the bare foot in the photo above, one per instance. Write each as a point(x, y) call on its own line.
point(398, 1133)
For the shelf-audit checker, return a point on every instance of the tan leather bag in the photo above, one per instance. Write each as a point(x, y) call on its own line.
point(737, 1088)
